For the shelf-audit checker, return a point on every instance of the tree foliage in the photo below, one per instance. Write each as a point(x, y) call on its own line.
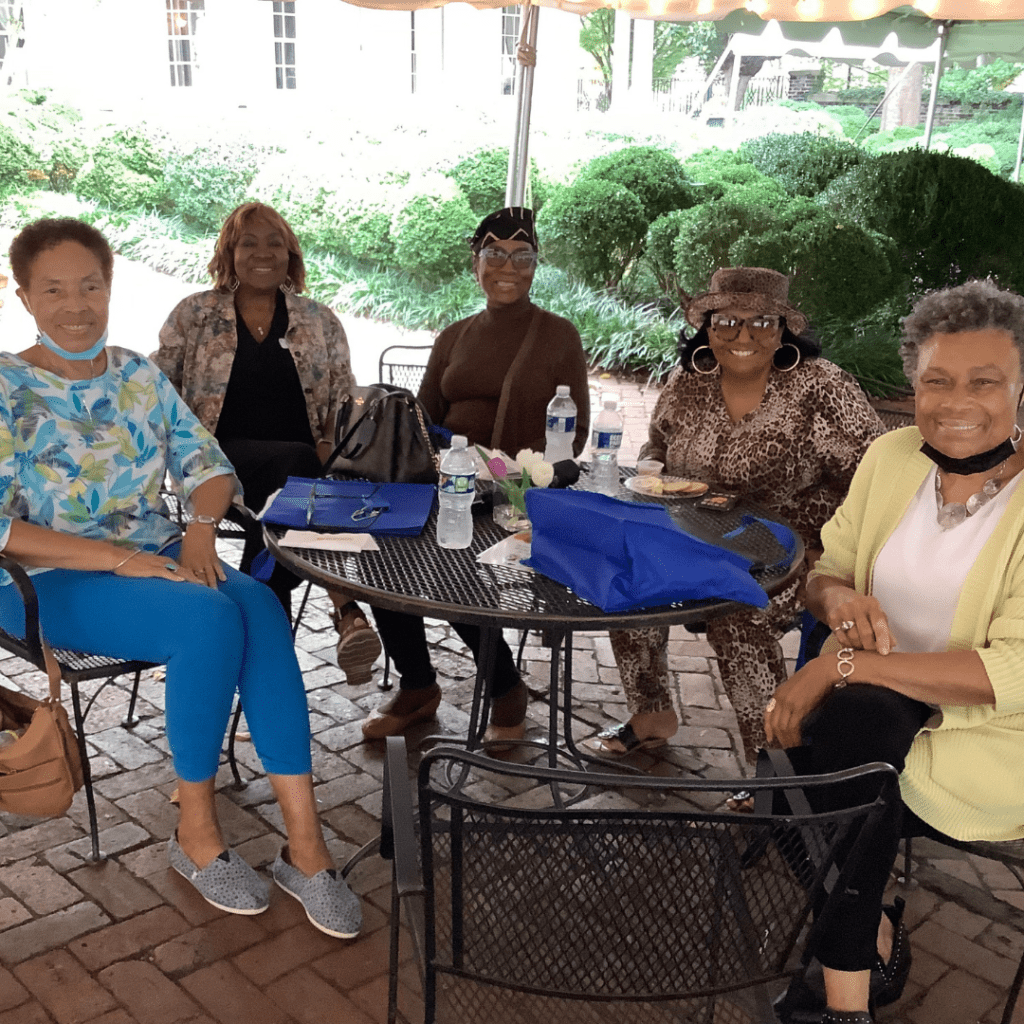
point(592, 230)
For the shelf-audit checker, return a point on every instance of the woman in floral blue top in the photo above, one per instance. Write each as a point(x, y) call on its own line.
point(87, 435)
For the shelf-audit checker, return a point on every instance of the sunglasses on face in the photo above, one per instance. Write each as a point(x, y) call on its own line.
point(761, 328)
point(522, 259)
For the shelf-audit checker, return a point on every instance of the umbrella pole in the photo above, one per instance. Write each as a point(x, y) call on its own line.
point(518, 162)
point(943, 29)
point(1020, 150)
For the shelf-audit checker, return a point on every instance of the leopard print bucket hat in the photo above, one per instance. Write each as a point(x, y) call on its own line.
point(758, 288)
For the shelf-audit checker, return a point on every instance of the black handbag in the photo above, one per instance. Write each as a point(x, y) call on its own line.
point(382, 433)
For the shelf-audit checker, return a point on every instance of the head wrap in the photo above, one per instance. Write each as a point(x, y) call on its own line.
point(512, 224)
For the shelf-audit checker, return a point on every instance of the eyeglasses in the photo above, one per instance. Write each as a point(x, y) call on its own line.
point(761, 328)
point(522, 259)
point(367, 511)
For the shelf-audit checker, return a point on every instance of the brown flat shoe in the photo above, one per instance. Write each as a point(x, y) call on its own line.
point(358, 644)
point(406, 708)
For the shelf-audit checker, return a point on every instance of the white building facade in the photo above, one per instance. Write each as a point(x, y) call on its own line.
point(106, 53)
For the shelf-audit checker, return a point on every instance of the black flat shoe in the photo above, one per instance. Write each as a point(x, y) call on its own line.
point(804, 1001)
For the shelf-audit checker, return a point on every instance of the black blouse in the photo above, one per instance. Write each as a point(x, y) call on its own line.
point(263, 400)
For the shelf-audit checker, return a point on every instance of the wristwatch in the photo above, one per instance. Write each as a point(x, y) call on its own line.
point(207, 521)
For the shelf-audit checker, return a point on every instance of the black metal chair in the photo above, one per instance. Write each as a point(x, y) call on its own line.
point(405, 374)
point(77, 668)
point(635, 904)
point(1011, 854)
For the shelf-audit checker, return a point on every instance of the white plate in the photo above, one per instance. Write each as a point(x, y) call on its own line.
point(639, 485)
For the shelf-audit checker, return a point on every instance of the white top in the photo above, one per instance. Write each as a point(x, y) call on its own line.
point(920, 571)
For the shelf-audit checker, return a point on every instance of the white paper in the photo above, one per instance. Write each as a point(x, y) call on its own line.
point(508, 552)
point(328, 541)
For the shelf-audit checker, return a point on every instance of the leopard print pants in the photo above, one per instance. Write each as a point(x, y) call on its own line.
point(746, 644)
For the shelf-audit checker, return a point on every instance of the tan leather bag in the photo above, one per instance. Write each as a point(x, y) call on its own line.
point(42, 770)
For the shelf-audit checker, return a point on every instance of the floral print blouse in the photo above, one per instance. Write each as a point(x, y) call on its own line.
point(197, 350)
point(794, 453)
point(89, 457)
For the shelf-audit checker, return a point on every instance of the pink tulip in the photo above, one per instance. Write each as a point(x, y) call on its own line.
point(498, 468)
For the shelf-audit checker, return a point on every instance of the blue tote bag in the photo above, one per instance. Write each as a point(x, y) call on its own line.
point(352, 506)
point(625, 556)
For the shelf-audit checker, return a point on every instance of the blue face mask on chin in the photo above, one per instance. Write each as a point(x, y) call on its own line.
point(90, 353)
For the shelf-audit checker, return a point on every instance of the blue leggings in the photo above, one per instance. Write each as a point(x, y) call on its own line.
point(213, 643)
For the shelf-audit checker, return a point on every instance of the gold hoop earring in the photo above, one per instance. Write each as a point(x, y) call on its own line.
point(792, 366)
point(693, 361)
point(233, 283)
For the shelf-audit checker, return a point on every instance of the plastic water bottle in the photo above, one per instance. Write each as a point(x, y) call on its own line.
point(605, 441)
point(560, 428)
point(455, 490)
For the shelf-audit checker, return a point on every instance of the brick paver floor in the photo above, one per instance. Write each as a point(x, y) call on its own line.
point(129, 941)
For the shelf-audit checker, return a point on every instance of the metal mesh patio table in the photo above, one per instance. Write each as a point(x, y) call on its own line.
point(416, 576)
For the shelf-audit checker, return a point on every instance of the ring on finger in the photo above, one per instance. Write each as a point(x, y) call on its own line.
point(847, 625)
point(171, 566)
point(770, 706)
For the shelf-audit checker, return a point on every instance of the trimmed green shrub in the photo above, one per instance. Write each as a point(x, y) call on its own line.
point(707, 233)
point(136, 151)
point(712, 172)
point(802, 164)
point(111, 181)
point(837, 271)
point(204, 185)
point(483, 175)
point(430, 229)
point(16, 161)
point(950, 218)
point(653, 175)
point(592, 230)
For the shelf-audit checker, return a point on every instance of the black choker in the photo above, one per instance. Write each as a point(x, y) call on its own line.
point(979, 463)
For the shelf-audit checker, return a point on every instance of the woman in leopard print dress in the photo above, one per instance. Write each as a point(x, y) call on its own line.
point(751, 409)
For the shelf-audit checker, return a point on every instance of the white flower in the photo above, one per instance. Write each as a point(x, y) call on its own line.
point(527, 457)
point(542, 473)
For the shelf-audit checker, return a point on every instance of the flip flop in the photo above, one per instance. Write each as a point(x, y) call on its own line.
point(621, 733)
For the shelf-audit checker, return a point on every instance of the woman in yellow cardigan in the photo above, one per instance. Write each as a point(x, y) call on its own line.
point(922, 581)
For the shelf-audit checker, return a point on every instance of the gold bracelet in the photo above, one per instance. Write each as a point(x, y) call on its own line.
point(845, 665)
point(127, 559)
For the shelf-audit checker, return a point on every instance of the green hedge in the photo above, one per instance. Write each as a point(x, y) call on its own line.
point(592, 230)
point(653, 175)
point(949, 217)
point(802, 164)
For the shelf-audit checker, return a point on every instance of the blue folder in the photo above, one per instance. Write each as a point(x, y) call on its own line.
point(352, 506)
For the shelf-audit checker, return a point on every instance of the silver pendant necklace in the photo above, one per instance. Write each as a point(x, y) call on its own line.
point(953, 513)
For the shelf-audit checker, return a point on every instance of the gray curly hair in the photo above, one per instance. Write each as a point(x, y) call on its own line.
point(975, 306)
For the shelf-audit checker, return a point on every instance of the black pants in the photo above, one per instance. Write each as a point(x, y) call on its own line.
point(262, 467)
point(857, 725)
point(405, 639)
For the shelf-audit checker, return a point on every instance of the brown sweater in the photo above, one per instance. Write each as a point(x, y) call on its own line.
point(492, 375)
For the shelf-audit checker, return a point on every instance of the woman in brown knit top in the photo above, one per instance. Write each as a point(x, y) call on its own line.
point(490, 377)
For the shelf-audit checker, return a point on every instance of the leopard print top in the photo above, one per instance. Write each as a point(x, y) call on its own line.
point(795, 453)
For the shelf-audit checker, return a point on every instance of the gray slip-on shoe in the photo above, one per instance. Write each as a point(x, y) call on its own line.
point(329, 903)
point(227, 882)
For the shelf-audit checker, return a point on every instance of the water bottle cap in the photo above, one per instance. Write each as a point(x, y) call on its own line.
point(459, 441)
point(562, 390)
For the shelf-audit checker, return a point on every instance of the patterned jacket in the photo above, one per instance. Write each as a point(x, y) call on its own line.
point(197, 349)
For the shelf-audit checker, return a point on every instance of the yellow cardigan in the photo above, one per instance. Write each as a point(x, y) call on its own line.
point(964, 775)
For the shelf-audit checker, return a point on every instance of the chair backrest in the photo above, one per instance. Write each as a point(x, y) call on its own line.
point(403, 365)
point(635, 895)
